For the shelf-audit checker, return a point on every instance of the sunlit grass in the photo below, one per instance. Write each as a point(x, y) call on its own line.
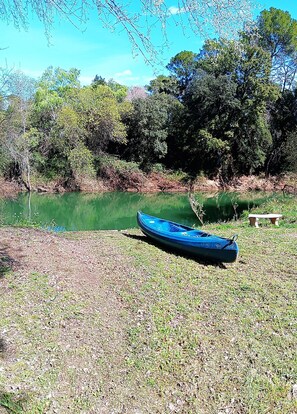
point(198, 338)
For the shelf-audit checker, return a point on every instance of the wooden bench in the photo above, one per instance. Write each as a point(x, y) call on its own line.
point(254, 218)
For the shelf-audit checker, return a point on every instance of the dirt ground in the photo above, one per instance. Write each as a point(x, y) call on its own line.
point(75, 318)
point(157, 182)
point(8, 188)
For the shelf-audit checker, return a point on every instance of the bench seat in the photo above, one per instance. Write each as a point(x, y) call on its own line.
point(254, 218)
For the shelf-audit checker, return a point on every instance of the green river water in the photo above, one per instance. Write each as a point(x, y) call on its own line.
point(117, 210)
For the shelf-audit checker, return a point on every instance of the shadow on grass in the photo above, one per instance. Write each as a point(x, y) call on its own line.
point(175, 251)
point(2, 346)
point(6, 262)
point(13, 403)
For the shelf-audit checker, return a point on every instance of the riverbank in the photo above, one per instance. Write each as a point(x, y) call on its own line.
point(9, 188)
point(153, 183)
point(105, 322)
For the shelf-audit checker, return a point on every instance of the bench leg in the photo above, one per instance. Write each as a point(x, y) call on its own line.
point(274, 221)
point(254, 222)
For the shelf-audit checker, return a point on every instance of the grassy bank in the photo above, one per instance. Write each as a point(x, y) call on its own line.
point(105, 322)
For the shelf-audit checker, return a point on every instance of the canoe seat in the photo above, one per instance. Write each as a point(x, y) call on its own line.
point(254, 218)
point(174, 228)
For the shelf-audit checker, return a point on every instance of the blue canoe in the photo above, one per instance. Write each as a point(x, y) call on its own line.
point(187, 240)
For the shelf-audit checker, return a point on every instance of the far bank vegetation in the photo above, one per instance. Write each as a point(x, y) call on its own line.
point(226, 111)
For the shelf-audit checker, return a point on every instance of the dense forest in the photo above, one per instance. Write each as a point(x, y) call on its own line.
point(224, 111)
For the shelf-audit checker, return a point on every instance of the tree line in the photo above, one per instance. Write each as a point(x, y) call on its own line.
point(227, 110)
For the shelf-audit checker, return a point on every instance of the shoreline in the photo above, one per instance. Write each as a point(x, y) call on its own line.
point(156, 183)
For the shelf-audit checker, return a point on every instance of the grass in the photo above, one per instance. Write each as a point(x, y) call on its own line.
point(197, 338)
point(11, 404)
point(284, 204)
point(33, 313)
point(212, 337)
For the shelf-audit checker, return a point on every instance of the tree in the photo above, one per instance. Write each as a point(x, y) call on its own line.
point(222, 16)
point(164, 84)
point(182, 67)
point(219, 57)
point(119, 91)
point(224, 128)
point(210, 124)
point(59, 80)
point(283, 126)
point(81, 162)
point(136, 92)
point(255, 91)
point(74, 121)
point(290, 152)
point(99, 114)
point(278, 35)
point(98, 80)
point(54, 125)
point(148, 129)
point(5, 73)
point(18, 139)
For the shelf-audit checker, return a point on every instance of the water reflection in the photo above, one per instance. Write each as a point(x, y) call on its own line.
point(117, 210)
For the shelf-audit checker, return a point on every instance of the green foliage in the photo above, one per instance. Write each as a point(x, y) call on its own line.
point(4, 160)
point(225, 104)
point(252, 147)
point(120, 91)
point(98, 80)
point(82, 162)
point(45, 106)
point(117, 164)
point(182, 66)
point(164, 84)
point(278, 36)
point(68, 132)
point(209, 103)
point(278, 31)
point(283, 125)
point(59, 80)
point(99, 115)
point(11, 403)
point(73, 120)
point(148, 129)
point(219, 57)
point(290, 151)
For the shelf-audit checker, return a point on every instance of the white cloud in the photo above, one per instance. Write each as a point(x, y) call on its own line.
point(124, 73)
point(176, 10)
point(86, 80)
point(32, 73)
point(127, 77)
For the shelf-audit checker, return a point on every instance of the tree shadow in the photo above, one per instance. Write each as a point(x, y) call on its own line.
point(2, 346)
point(178, 253)
point(6, 262)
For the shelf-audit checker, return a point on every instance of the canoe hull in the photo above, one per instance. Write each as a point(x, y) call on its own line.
point(212, 248)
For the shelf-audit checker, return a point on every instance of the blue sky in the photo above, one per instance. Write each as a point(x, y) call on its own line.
point(96, 50)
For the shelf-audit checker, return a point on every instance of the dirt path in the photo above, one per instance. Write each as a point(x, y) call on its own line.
point(69, 316)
